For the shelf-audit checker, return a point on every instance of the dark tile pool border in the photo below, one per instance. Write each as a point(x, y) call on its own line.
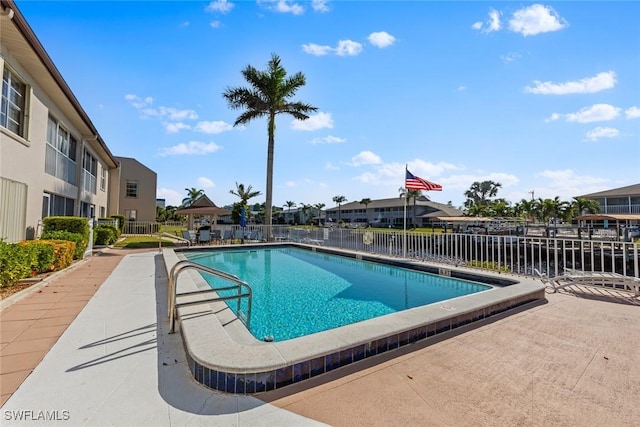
point(259, 381)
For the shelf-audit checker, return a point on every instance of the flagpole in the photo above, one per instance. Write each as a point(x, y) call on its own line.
point(404, 232)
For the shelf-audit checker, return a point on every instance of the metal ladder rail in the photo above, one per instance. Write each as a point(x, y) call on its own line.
point(183, 265)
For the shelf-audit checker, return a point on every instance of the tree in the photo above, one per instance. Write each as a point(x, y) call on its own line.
point(304, 208)
point(192, 196)
point(267, 96)
point(480, 194)
point(412, 194)
point(245, 194)
point(339, 200)
point(289, 204)
point(319, 206)
point(366, 202)
point(581, 206)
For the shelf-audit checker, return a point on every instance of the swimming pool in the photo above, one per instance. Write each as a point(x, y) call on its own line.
point(224, 356)
point(298, 292)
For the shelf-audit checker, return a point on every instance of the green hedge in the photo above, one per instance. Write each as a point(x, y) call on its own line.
point(105, 235)
point(74, 229)
point(28, 258)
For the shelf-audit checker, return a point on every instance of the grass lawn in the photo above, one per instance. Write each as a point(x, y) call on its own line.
point(140, 242)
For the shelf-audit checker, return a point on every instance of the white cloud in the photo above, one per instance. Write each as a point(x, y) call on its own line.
point(348, 48)
point(205, 182)
point(282, 6)
point(595, 113)
point(215, 24)
point(566, 184)
point(365, 158)
point(316, 49)
point(314, 122)
point(190, 148)
point(536, 19)
point(146, 109)
point(175, 127)
point(381, 39)
point(213, 127)
point(600, 82)
point(633, 113)
point(461, 88)
point(328, 140)
point(290, 184)
point(171, 197)
point(138, 102)
point(320, 6)
point(331, 166)
point(221, 6)
point(184, 24)
point(510, 57)
point(491, 25)
point(602, 132)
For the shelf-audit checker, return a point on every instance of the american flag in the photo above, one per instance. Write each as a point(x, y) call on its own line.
point(413, 182)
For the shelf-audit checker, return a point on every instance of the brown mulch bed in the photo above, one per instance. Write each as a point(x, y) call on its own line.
point(7, 291)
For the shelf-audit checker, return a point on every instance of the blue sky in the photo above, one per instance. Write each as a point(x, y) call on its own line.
point(541, 97)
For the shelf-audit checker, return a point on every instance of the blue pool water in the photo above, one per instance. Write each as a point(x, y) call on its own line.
point(299, 292)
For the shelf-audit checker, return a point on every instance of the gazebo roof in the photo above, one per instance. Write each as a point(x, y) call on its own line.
point(203, 206)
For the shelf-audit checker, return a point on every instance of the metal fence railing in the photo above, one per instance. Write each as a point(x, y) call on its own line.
point(523, 255)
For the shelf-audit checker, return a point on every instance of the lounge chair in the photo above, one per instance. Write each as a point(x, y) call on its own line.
point(228, 234)
point(216, 236)
point(595, 278)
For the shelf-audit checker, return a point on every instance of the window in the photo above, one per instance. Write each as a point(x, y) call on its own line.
point(12, 114)
point(103, 212)
point(57, 205)
point(103, 178)
point(132, 189)
point(131, 214)
point(89, 172)
point(60, 157)
point(87, 210)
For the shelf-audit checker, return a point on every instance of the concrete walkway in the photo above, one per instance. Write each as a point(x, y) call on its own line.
point(574, 361)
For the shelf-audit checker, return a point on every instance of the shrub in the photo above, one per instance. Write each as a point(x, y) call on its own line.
point(121, 220)
point(45, 255)
point(105, 235)
point(15, 262)
point(80, 241)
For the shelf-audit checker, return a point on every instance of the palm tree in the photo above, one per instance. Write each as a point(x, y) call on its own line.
point(289, 204)
point(480, 193)
point(319, 206)
point(366, 202)
point(192, 196)
point(411, 194)
point(244, 194)
point(304, 208)
point(339, 200)
point(581, 206)
point(268, 95)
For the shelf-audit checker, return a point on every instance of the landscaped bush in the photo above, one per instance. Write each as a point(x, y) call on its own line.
point(105, 235)
point(121, 220)
point(64, 251)
point(15, 262)
point(74, 229)
point(45, 255)
point(79, 240)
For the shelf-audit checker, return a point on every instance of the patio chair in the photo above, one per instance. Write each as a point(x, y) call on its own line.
point(216, 236)
point(204, 236)
point(189, 236)
point(228, 234)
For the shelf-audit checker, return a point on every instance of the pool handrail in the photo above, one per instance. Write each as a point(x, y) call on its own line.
point(183, 265)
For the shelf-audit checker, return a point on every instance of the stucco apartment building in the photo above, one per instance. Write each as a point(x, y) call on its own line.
point(135, 195)
point(53, 161)
point(390, 212)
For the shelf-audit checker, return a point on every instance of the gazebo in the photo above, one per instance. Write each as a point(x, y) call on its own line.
point(203, 206)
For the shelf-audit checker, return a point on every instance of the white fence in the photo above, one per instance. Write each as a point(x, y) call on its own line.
point(509, 253)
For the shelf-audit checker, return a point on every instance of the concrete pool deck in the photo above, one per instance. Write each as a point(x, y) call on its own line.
point(572, 361)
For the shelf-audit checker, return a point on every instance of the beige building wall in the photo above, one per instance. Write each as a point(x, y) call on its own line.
point(137, 190)
point(22, 157)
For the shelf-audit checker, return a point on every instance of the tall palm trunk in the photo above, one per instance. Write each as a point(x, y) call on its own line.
point(269, 190)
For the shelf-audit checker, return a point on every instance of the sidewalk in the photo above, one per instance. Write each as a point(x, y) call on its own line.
point(33, 324)
point(572, 361)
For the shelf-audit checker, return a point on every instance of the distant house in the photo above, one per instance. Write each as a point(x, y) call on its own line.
point(135, 196)
point(53, 161)
point(623, 200)
point(390, 212)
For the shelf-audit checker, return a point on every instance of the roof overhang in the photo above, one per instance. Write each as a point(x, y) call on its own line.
point(610, 217)
point(18, 37)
